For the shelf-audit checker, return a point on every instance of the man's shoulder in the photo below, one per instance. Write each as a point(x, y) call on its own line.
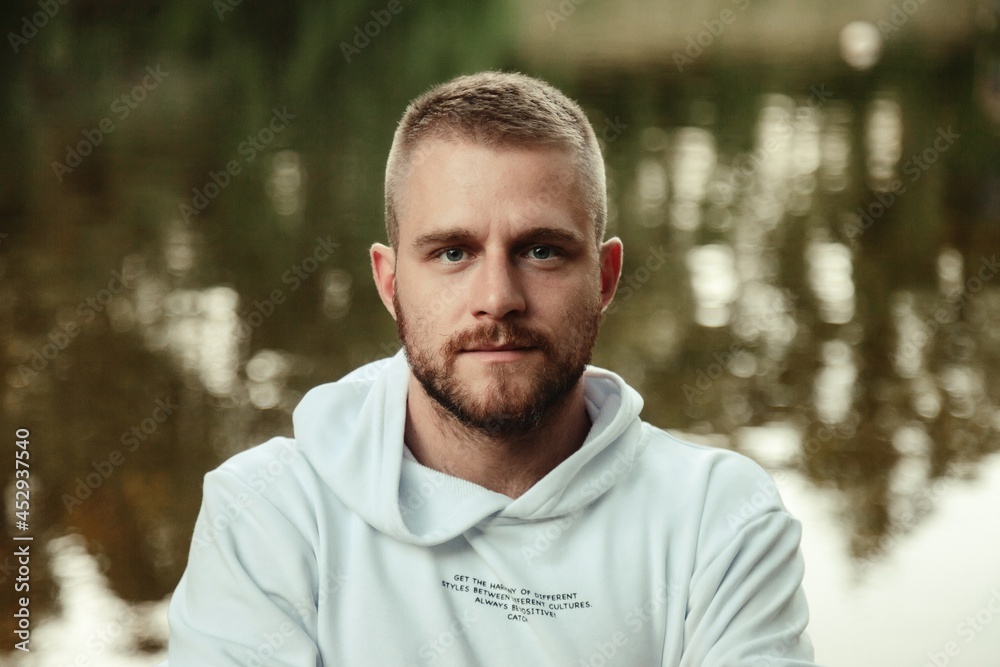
point(712, 472)
point(265, 468)
point(665, 448)
point(275, 484)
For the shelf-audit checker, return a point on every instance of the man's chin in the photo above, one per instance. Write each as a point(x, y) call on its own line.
point(501, 415)
point(496, 400)
point(498, 359)
point(479, 377)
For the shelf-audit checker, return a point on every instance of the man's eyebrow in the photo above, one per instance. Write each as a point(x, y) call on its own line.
point(551, 234)
point(442, 238)
point(456, 236)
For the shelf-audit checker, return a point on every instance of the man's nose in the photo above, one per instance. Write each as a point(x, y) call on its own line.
point(497, 289)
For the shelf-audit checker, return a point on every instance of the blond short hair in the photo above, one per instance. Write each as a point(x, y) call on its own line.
point(497, 109)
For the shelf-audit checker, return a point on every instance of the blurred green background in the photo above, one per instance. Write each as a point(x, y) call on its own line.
point(809, 197)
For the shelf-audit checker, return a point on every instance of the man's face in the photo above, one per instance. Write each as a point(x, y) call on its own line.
point(498, 283)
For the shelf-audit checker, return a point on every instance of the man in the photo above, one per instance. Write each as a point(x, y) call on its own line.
point(487, 498)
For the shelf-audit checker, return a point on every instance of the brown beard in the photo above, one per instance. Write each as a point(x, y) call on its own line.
point(504, 409)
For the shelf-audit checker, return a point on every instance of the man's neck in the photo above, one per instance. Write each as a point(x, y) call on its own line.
point(507, 465)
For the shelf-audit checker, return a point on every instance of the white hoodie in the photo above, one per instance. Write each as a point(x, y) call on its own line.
point(338, 548)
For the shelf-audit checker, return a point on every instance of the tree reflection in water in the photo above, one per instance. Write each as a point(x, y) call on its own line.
point(782, 294)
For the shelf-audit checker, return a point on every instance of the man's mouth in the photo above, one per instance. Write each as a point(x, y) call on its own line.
point(506, 353)
point(508, 347)
point(498, 343)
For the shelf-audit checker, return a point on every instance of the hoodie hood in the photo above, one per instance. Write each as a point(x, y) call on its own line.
point(351, 432)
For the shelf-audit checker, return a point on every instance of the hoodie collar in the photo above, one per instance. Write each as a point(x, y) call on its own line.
point(351, 432)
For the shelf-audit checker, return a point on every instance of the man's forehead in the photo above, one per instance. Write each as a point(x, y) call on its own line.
point(463, 152)
point(460, 182)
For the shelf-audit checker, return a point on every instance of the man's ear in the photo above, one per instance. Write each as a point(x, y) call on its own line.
point(611, 268)
point(384, 272)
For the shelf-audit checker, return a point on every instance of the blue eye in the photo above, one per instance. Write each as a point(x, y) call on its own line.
point(541, 252)
point(453, 255)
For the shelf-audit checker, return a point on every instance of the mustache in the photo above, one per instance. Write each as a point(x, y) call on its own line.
point(497, 333)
